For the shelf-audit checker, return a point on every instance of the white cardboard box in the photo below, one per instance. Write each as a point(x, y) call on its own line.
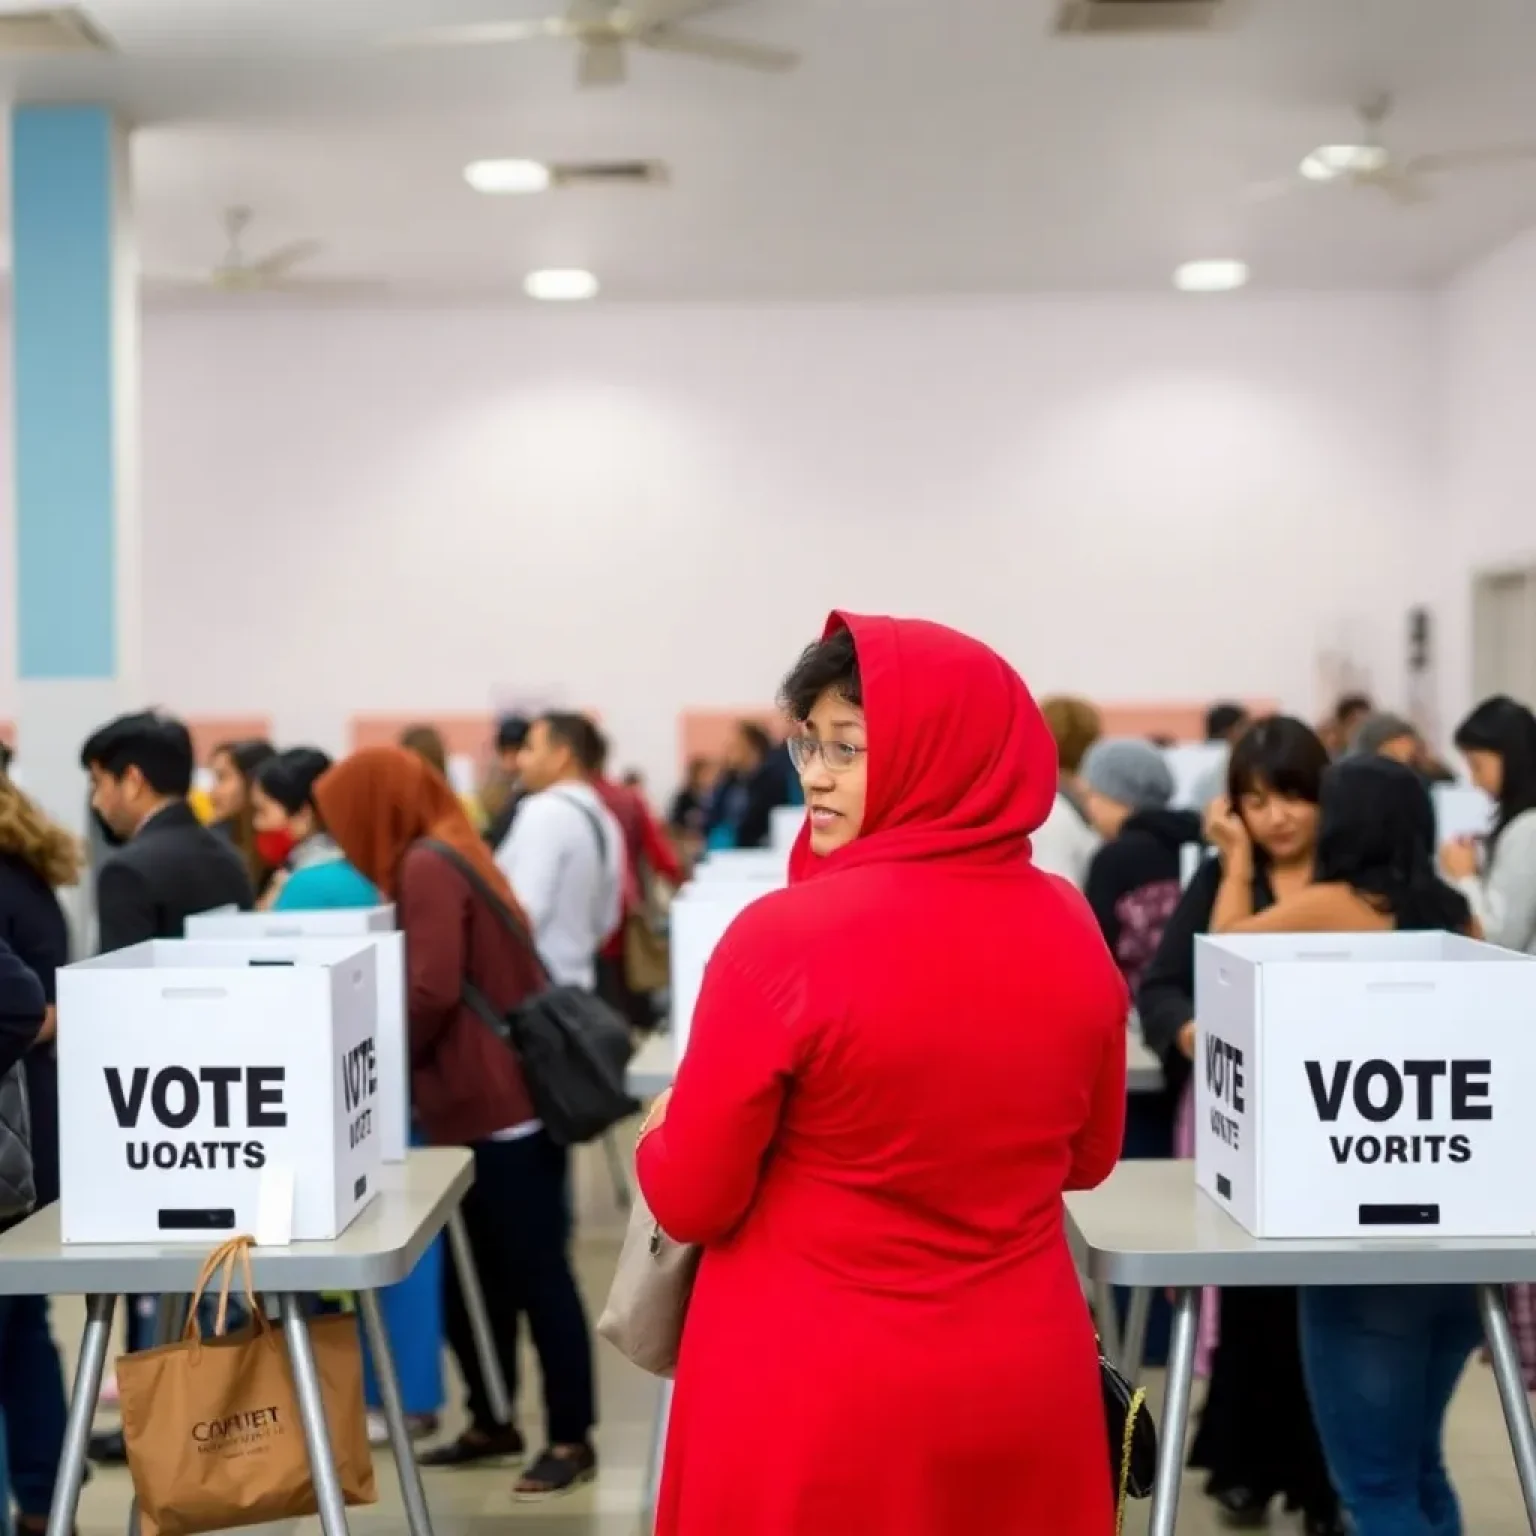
point(376, 924)
point(1353, 1085)
point(188, 1068)
point(696, 924)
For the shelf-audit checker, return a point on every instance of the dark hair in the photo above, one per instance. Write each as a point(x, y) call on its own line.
point(426, 741)
point(1281, 754)
point(289, 777)
point(756, 737)
point(511, 733)
point(1222, 719)
point(1352, 704)
point(159, 746)
point(1508, 729)
point(600, 748)
point(580, 735)
point(1377, 836)
point(247, 755)
point(6, 758)
point(830, 663)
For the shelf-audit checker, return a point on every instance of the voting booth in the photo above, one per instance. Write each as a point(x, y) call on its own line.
point(200, 1081)
point(375, 925)
point(1360, 1085)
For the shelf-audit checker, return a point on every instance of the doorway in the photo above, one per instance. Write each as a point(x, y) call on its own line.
point(1504, 634)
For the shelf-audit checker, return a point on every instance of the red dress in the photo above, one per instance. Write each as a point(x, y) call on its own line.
point(896, 1067)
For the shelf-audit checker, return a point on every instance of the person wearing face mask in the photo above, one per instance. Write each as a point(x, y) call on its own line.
point(289, 838)
point(896, 1068)
point(1257, 1440)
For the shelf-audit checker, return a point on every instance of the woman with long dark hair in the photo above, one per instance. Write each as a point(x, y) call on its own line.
point(1256, 1441)
point(1498, 740)
point(1382, 1362)
point(234, 765)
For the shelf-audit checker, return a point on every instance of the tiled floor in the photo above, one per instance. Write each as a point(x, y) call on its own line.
point(469, 1504)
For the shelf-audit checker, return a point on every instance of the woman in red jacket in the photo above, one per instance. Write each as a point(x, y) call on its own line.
point(386, 808)
point(896, 1067)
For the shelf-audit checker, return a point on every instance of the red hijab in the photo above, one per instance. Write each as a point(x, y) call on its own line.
point(379, 801)
point(962, 766)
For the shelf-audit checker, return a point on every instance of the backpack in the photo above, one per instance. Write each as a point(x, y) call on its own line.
point(574, 1049)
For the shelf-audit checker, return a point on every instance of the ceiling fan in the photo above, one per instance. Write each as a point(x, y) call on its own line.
point(604, 30)
point(278, 271)
point(1371, 165)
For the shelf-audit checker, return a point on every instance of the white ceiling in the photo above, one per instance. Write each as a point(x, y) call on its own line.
point(924, 147)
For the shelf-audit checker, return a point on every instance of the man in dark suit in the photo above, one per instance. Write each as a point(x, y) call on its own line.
point(167, 867)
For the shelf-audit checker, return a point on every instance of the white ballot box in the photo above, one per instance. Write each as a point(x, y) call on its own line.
point(1462, 810)
point(194, 1073)
point(784, 823)
point(1358, 1085)
point(392, 1037)
point(771, 864)
point(697, 923)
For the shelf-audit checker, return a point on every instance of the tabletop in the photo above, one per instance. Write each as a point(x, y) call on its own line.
point(1148, 1225)
point(380, 1247)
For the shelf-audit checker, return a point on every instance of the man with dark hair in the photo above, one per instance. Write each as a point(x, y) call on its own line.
point(167, 867)
point(504, 789)
point(758, 779)
point(564, 857)
point(1225, 722)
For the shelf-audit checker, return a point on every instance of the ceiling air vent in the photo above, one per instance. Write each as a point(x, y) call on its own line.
point(609, 173)
point(52, 29)
point(1139, 16)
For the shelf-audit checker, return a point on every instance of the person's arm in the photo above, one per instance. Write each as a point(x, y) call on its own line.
point(1165, 1002)
point(1504, 900)
point(660, 856)
point(434, 907)
point(1104, 887)
point(1327, 908)
point(700, 1166)
point(23, 1008)
point(125, 908)
point(531, 858)
point(1096, 1147)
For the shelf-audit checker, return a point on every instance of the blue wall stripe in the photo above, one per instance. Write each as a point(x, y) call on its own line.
point(62, 191)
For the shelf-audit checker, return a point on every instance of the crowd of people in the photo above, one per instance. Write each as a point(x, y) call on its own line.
point(814, 1138)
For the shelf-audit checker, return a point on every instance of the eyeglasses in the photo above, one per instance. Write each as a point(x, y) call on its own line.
point(839, 756)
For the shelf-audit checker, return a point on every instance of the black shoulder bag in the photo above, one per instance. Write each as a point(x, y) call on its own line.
point(1132, 1437)
point(574, 1049)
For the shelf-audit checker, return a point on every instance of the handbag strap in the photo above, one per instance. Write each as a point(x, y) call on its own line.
point(511, 922)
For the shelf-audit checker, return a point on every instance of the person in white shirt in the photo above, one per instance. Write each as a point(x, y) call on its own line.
point(564, 857)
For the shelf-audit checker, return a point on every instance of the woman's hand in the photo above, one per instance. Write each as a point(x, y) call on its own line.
point(1459, 859)
point(1225, 829)
point(1185, 1040)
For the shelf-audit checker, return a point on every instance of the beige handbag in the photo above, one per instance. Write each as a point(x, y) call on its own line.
point(648, 1301)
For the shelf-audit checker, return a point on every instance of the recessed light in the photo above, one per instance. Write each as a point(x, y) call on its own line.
point(1331, 161)
point(1210, 276)
point(560, 284)
point(507, 177)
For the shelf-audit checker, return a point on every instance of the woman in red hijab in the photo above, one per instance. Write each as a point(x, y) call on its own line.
point(397, 821)
point(896, 1067)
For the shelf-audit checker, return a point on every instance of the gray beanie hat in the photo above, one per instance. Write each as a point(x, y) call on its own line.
point(1375, 731)
point(1130, 771)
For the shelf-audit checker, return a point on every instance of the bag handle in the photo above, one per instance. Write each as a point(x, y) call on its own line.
point(221, 1262)
point(509, 920)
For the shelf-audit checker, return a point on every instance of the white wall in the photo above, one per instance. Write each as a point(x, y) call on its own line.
point(647, 509)
point(1486, 365)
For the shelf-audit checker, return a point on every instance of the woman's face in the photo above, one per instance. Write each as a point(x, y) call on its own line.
point(1284, 826)
point(228, 795)
point(268, 815)
point(833, 761)
point(1487, 771)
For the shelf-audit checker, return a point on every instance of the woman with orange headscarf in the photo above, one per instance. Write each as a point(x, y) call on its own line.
point(397, 821)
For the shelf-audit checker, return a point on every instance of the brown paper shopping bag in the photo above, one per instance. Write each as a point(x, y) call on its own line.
point(212, 1425)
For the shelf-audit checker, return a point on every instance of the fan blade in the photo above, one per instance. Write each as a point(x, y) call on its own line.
point(1398, 182)
point(1271, 191)
point(721, 50)
point(286, 257)
point(601, 62)
point(645, 15)
point(479, 34)
point(1487, 159)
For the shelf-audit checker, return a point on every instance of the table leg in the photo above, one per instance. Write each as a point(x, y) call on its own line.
point(1133, 1342)
point(617, 1172)
point(479, 1318)
point(1107, 1318)
point(656, 1458)
point(1175, 1426)
point(82, 1409)
point(417, 1516)
point(317, 1439)
point(1506, 1372)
